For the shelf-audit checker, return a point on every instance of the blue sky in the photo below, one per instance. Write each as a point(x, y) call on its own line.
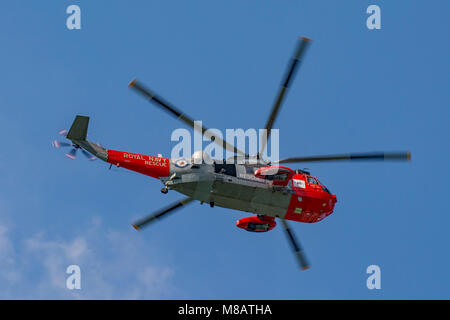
point(222, 62)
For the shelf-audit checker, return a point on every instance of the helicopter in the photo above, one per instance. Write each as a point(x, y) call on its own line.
point(268, 190)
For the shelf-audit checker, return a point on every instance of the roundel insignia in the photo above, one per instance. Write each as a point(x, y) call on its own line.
point(181, 163)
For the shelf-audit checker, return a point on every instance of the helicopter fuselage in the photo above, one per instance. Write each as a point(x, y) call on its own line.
point(272, 191)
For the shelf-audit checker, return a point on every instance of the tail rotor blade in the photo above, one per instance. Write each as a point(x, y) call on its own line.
point(72, 154)
point(298, 251)
point(88, 155)
point(58, 144)
point(155, 216)
point(63, 132)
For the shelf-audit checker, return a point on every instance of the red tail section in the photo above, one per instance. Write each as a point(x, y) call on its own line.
point(155, 167)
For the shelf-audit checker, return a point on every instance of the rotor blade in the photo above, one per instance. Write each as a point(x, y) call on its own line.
point(58, 144)
point(179, 115)
point(380, 156)
point(151, 218)
point(72, 154)
point(88, 155)
point(63, 132)
point(288, 78)
point(299, 253)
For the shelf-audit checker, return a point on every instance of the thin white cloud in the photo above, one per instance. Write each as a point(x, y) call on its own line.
point(8, 268)
point(112, 267)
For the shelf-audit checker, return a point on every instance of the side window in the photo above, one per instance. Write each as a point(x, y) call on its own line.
point(312, 180)
point(281, 177)
point(219, 167)
point(228, 169)
point(250, 170)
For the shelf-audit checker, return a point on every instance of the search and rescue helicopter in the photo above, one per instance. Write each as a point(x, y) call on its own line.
point(245, 182)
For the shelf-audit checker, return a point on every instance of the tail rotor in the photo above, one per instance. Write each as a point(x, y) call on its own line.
point(72, 154)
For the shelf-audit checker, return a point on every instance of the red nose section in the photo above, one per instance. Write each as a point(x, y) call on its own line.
point(155, 167)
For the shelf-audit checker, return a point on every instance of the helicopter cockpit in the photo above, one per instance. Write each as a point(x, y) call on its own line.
point(315, 182)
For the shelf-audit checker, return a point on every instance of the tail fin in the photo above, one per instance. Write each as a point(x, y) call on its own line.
point(78, 135)
point(79, 128)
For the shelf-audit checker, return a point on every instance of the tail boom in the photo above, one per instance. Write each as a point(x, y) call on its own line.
point(155, 167)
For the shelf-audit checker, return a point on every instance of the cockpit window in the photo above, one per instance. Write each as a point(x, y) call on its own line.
point(326, 189)
point(312, 180)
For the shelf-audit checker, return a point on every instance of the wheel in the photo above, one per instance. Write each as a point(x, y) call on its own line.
point(211, 204)
point(164, 190)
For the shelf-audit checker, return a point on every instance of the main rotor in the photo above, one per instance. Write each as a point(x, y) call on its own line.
point(257, 160)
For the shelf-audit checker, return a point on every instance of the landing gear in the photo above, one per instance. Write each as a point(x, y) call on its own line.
point(164, 190)
point(211, 204)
